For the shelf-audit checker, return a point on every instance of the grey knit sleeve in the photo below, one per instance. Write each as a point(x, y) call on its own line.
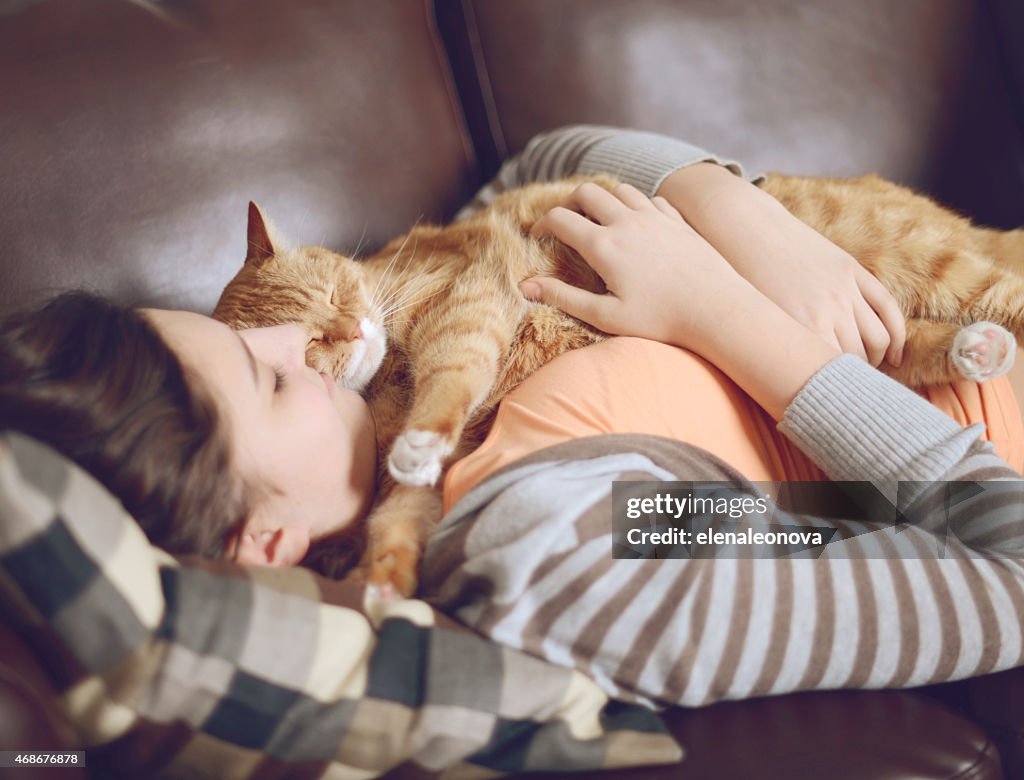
point(639, 158)
point(858, 424)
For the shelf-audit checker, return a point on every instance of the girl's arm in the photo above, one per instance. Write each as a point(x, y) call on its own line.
point(665, 282)
point(932, 597)
point(808, 276)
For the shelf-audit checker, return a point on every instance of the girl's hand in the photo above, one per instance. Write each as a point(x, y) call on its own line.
point(809, 277)
point(664, 281)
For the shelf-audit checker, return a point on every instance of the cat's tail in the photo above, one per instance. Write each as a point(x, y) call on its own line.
point(1006, 247)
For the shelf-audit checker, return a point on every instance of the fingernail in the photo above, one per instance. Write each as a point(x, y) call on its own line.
point(530, 290)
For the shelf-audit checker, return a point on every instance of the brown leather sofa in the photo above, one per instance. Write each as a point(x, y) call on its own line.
point(132, 135)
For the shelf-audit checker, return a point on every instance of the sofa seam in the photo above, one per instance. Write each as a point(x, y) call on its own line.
point(454, 100)
point(484, 80)
point(973, 772)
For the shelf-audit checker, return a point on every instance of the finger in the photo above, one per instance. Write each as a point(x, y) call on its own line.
point(632, 197)
point(565, 225)
point(582, 304)
point(595, 202)
point(888, 310)
point(873, 334)
point(848, 337)
point(666, 208)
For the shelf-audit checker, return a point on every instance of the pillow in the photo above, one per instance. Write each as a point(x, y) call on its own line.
point(199, 668)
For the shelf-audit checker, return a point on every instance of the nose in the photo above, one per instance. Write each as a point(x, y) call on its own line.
point(343, 331)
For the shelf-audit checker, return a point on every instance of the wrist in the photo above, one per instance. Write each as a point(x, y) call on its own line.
point(689, 189)
point(712, 199)
point(759, 346)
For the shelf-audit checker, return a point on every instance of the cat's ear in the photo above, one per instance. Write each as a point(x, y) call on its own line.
point(259, 237)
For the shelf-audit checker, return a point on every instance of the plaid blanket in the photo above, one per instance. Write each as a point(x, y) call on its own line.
point(189, 668)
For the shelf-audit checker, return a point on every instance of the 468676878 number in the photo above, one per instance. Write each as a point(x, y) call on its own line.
point(23, 758)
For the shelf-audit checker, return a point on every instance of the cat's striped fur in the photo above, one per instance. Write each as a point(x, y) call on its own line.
point(434, 330)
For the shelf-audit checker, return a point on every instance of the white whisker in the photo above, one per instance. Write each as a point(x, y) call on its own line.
point(405, 292)
point(359, 243)
point(302, 222)
point(383, 277)
point(413, 303)
point(396, 294)
point(387, 271)
point(411, 297)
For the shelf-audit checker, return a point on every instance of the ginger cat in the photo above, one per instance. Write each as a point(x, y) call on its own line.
point(433, 331)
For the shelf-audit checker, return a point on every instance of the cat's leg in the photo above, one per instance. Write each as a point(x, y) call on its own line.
point(544, 334)
point(998, 298)
point(1005, 247)
point(937, 352)
point(983, 351)
point(396, 532)
point(418, 455)
point(451, 378)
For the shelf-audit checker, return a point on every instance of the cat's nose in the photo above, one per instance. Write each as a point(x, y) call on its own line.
point(355, 333)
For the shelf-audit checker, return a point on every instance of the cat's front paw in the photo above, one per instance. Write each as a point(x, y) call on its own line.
point(417, 456)
point(983, 351)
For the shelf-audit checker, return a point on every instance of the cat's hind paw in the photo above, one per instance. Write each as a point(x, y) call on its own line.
point(417, 456)
point(983, 351)
point(392, 574)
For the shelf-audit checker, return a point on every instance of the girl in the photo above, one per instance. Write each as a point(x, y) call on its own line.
point(227, 442)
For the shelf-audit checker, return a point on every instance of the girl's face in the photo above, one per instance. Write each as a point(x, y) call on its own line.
point(306, 445)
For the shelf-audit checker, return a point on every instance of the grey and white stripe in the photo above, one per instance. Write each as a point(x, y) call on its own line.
point(527, 560)
point(883, 609)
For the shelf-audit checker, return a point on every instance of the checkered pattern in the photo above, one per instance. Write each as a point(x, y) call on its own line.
point(191, 668)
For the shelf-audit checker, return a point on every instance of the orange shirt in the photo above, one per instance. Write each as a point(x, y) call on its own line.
point(630, 385)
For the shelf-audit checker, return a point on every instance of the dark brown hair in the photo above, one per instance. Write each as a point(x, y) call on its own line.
point(95, 381)
point(336, 555)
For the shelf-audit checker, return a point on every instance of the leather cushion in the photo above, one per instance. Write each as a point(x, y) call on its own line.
point(28, 719)
point(841, 735)
point(134, 135)
point(910, 90)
